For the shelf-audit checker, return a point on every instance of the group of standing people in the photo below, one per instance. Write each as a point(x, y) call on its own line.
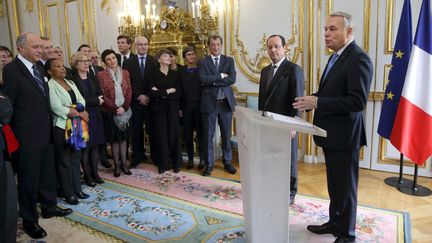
point(156, 92)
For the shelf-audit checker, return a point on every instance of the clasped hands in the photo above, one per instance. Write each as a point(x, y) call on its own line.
point(74, 113)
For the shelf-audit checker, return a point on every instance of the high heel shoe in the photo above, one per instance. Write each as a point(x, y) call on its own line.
point(90, 182)
point(98, 180)
point(125, 170)
point(82, 195)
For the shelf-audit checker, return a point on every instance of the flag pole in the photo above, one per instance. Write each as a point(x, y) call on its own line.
point(398, 181)
point(415, 190)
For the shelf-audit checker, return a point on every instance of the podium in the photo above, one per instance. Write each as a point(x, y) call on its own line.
point(264, 145)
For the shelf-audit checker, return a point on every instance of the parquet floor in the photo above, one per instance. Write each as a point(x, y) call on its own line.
point(372, 192)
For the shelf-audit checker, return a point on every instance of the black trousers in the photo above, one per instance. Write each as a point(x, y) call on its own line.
point(8, 202)
point(67, 164)
point(36, 182)
point(140, 117)
point(166, 126)
point(342, 181)
point(192, 122)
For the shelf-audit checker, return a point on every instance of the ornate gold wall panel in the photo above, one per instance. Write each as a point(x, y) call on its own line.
point(48, 20)
point(68, 37)
point(41, 20)
point(16, 22)
point(249, 66)
point(388, 49)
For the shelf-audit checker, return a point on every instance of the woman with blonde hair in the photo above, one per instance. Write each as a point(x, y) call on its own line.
point(90, 90)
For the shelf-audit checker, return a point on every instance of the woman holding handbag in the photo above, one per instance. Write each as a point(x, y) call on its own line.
point(117, 95)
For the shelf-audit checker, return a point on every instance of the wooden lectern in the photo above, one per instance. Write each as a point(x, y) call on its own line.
point(265, 158)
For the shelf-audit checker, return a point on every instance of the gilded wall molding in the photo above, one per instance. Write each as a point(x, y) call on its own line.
point(388, 48)
point(387, 68)
point(48, 18)
point(41, 19)
point(9, 24)
point(16, 22)
point(29, 6)
point(65, 10)
point(251, 67)
point(2, 9)
point(311, 62)
point(366, 23)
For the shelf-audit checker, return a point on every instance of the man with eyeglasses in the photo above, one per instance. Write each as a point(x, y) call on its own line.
point(140, 68)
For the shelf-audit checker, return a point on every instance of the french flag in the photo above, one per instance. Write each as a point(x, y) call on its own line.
point(412, 130)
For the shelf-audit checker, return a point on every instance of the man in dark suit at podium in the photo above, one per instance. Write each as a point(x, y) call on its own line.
point(341, 98)
point(217, 74)
point(280, 83)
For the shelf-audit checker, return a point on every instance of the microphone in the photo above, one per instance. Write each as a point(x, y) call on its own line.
point(270, 95)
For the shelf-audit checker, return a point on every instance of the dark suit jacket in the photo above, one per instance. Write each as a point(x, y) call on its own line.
point(342, 97)
point(119, 57)
point(287, 83)
point(140, 85)
point(91, 95)
point(211, 81)
point(32, 117)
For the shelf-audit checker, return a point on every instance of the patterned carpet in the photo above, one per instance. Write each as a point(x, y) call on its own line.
point(184, 207)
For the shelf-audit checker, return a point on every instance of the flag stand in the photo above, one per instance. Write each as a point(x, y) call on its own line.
point(398, 181)
point(415, 190)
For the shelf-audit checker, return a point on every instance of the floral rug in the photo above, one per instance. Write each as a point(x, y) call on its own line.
point(184, 207)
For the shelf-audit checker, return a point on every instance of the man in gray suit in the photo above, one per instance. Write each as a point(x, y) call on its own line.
point(280, 83)
point(217, 74)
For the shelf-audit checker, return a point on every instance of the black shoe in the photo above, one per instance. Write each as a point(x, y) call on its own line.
point(56, 211)
point(71, 200)
point(201, 165)
point(176, 170)
point(207, 171)
point(161, 171)
point(341, 239)
point(322, 229)
point(116, 171)
point(90, 183)
point(291, 201)
point(98, 180)
point(125, 170)
point(34, 230)
point(190, 165)
point(230, 169)
point(106, 164)
point(133, 165)
point(82, 195)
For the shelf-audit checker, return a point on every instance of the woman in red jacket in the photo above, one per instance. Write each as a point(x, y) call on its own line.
point(117, 93)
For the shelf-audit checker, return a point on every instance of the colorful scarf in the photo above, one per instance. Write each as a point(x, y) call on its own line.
point(76, 131)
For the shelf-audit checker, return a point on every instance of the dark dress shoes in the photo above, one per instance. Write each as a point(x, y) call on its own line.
point(82, 195)
point(133, 165)
point(201, 165)
point(125, 170)
point(230, 169)
point(161, 171)
point(90, 183)
point(207, 171)
point(106, 164)
point(98, 180)
point(322, 229)
point(55, 211)
point(34, 230)
point(176, 170)
point(72, 200)
point(190, 165)
point(341, 239)
point(116, 172)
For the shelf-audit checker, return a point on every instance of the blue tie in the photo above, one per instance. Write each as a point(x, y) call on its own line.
point(39, 78)
point(142, 66)
point(330, 64)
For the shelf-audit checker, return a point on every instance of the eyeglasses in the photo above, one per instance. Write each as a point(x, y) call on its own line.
point(84, 61)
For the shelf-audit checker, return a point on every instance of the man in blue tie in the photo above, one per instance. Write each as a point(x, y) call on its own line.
point(217, 74)
point(140, 68)
point(339, 103)
point(32, 124)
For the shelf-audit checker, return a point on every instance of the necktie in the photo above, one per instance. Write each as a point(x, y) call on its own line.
point(270, 76)
point(330, 64)
point(216, 63)
point(124, 59)
point(92, 71)
point(142, 66)
point(39, 78)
